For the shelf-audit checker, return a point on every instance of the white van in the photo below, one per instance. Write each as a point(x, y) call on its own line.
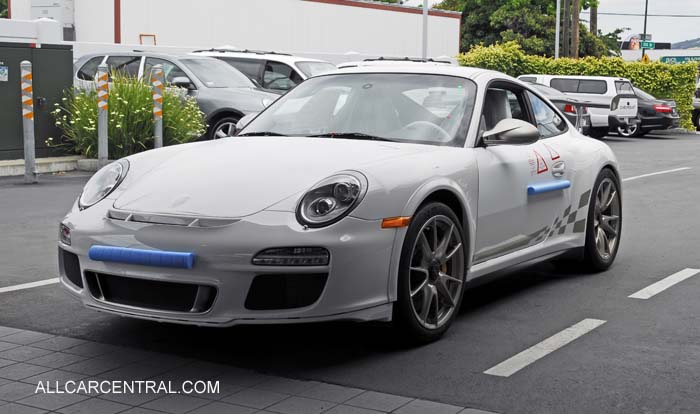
point(596, 89)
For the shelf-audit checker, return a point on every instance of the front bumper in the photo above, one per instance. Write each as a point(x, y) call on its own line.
point(356, 284)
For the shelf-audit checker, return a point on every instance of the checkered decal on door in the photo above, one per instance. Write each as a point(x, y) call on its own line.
point(570, 216)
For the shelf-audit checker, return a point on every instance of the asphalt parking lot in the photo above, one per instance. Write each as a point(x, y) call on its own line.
point(640, 356)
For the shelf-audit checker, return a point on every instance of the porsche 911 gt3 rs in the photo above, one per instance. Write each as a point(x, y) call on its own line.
point(372, 193)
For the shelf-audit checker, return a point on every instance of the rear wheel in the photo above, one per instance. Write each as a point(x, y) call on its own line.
point(604, 224)
point(431, 274)
point(628, 131)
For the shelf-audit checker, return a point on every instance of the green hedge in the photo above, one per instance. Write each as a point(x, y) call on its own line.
point(665, 81)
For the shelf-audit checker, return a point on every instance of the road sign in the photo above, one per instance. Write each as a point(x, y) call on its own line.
point(680, 59)
point(648, 45)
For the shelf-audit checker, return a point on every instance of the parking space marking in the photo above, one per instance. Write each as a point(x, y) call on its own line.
point(664, 284)
point(514, 364)
point(28, 285)
point(637, 177)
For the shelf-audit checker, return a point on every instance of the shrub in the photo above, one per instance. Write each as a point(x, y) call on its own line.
point(666, 81)
point(130, 122)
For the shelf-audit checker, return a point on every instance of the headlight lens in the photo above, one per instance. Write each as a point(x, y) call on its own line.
point(331, 199)
point(103, 183)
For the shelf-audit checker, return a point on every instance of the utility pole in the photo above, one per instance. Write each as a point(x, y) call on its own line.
point(575, 27)
point(566, 41)
point(557, 30)
point(425, 29)
point(644, 36)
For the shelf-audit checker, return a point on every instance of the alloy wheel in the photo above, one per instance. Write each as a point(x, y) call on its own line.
point(225, 130)
point(628, 130)
point(436, 275)
point(606, 218)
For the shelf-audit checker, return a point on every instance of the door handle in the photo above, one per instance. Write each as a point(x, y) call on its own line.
point(559, 169)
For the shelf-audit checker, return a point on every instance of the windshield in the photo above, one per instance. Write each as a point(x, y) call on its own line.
point(315, 68)
point(214, 73)
point(416, 108)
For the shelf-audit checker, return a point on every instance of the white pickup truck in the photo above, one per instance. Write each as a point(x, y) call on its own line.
point(600, 91)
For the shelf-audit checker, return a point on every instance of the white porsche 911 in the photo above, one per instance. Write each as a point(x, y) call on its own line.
point(373, 193)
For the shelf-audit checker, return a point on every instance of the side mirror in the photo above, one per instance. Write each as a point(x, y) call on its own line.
point(182, 82)
point(245, 120)
point(511, 132)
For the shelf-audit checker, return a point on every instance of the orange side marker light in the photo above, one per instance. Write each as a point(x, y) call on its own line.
point(395, 222)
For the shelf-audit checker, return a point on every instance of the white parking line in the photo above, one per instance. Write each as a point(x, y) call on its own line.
point(28, 285)
point(664, 284)
point(637, 177)
point(514, 364)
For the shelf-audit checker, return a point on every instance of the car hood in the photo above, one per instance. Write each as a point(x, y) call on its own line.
point(239, 176)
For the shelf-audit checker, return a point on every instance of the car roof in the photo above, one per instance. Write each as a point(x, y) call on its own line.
point(574, 77)
point(146, 53)
point(255, 54)
point(425, 68)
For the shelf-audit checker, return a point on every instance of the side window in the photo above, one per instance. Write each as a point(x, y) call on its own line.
point(127, 65)
point(170, 70)
point(89, 69)
point(598, 87)
point(500, 104)
point(549, 123)
point(624, 87)
point(250, 68)
point(280, 76)
point(565, 85)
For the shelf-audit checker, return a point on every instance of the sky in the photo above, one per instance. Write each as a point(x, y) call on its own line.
point(663, 29)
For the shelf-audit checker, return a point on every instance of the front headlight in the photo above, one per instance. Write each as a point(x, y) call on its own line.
point(331, 199)
point(103, 183)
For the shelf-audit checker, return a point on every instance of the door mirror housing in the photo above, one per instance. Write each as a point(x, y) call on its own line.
point(182, 82)
point(511, 132)
point(245, 120)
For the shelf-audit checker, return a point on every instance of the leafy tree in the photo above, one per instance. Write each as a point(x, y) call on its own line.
point(453, 5)
point(3, 8)
point(530, 23)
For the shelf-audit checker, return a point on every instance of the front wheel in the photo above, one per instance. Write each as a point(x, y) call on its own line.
point(223, 128)
point(432, 273)
point(604, 224)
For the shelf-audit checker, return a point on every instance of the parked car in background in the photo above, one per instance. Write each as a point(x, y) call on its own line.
point(223, 93)
point(276, 72)
point(696, 107)
point(599, 90)
point(569, 106)
point(653, 114)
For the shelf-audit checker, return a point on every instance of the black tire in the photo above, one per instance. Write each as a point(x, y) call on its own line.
point(598, 133)
point(226, 120)
point(592, 257)
point(405, 319)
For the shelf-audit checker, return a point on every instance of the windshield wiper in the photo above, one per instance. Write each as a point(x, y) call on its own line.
point(351, 135)
point(262, 134)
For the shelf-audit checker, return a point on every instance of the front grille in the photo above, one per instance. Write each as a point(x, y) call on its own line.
point(285, 291)
point(150, 294)
point(71, 267)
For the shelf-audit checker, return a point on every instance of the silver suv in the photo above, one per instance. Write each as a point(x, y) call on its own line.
point(223, 93)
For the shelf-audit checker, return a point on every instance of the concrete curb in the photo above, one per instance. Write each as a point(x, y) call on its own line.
point(9, 168)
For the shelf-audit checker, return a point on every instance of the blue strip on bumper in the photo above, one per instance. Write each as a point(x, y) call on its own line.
point(158, 258)
point(547, 187)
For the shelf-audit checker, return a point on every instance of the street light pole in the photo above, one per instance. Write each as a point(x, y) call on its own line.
point(644, 36)
point(557, 31)
point(425, 29)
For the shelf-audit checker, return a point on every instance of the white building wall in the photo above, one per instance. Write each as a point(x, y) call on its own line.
point(94, 20)
point(286, 25)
